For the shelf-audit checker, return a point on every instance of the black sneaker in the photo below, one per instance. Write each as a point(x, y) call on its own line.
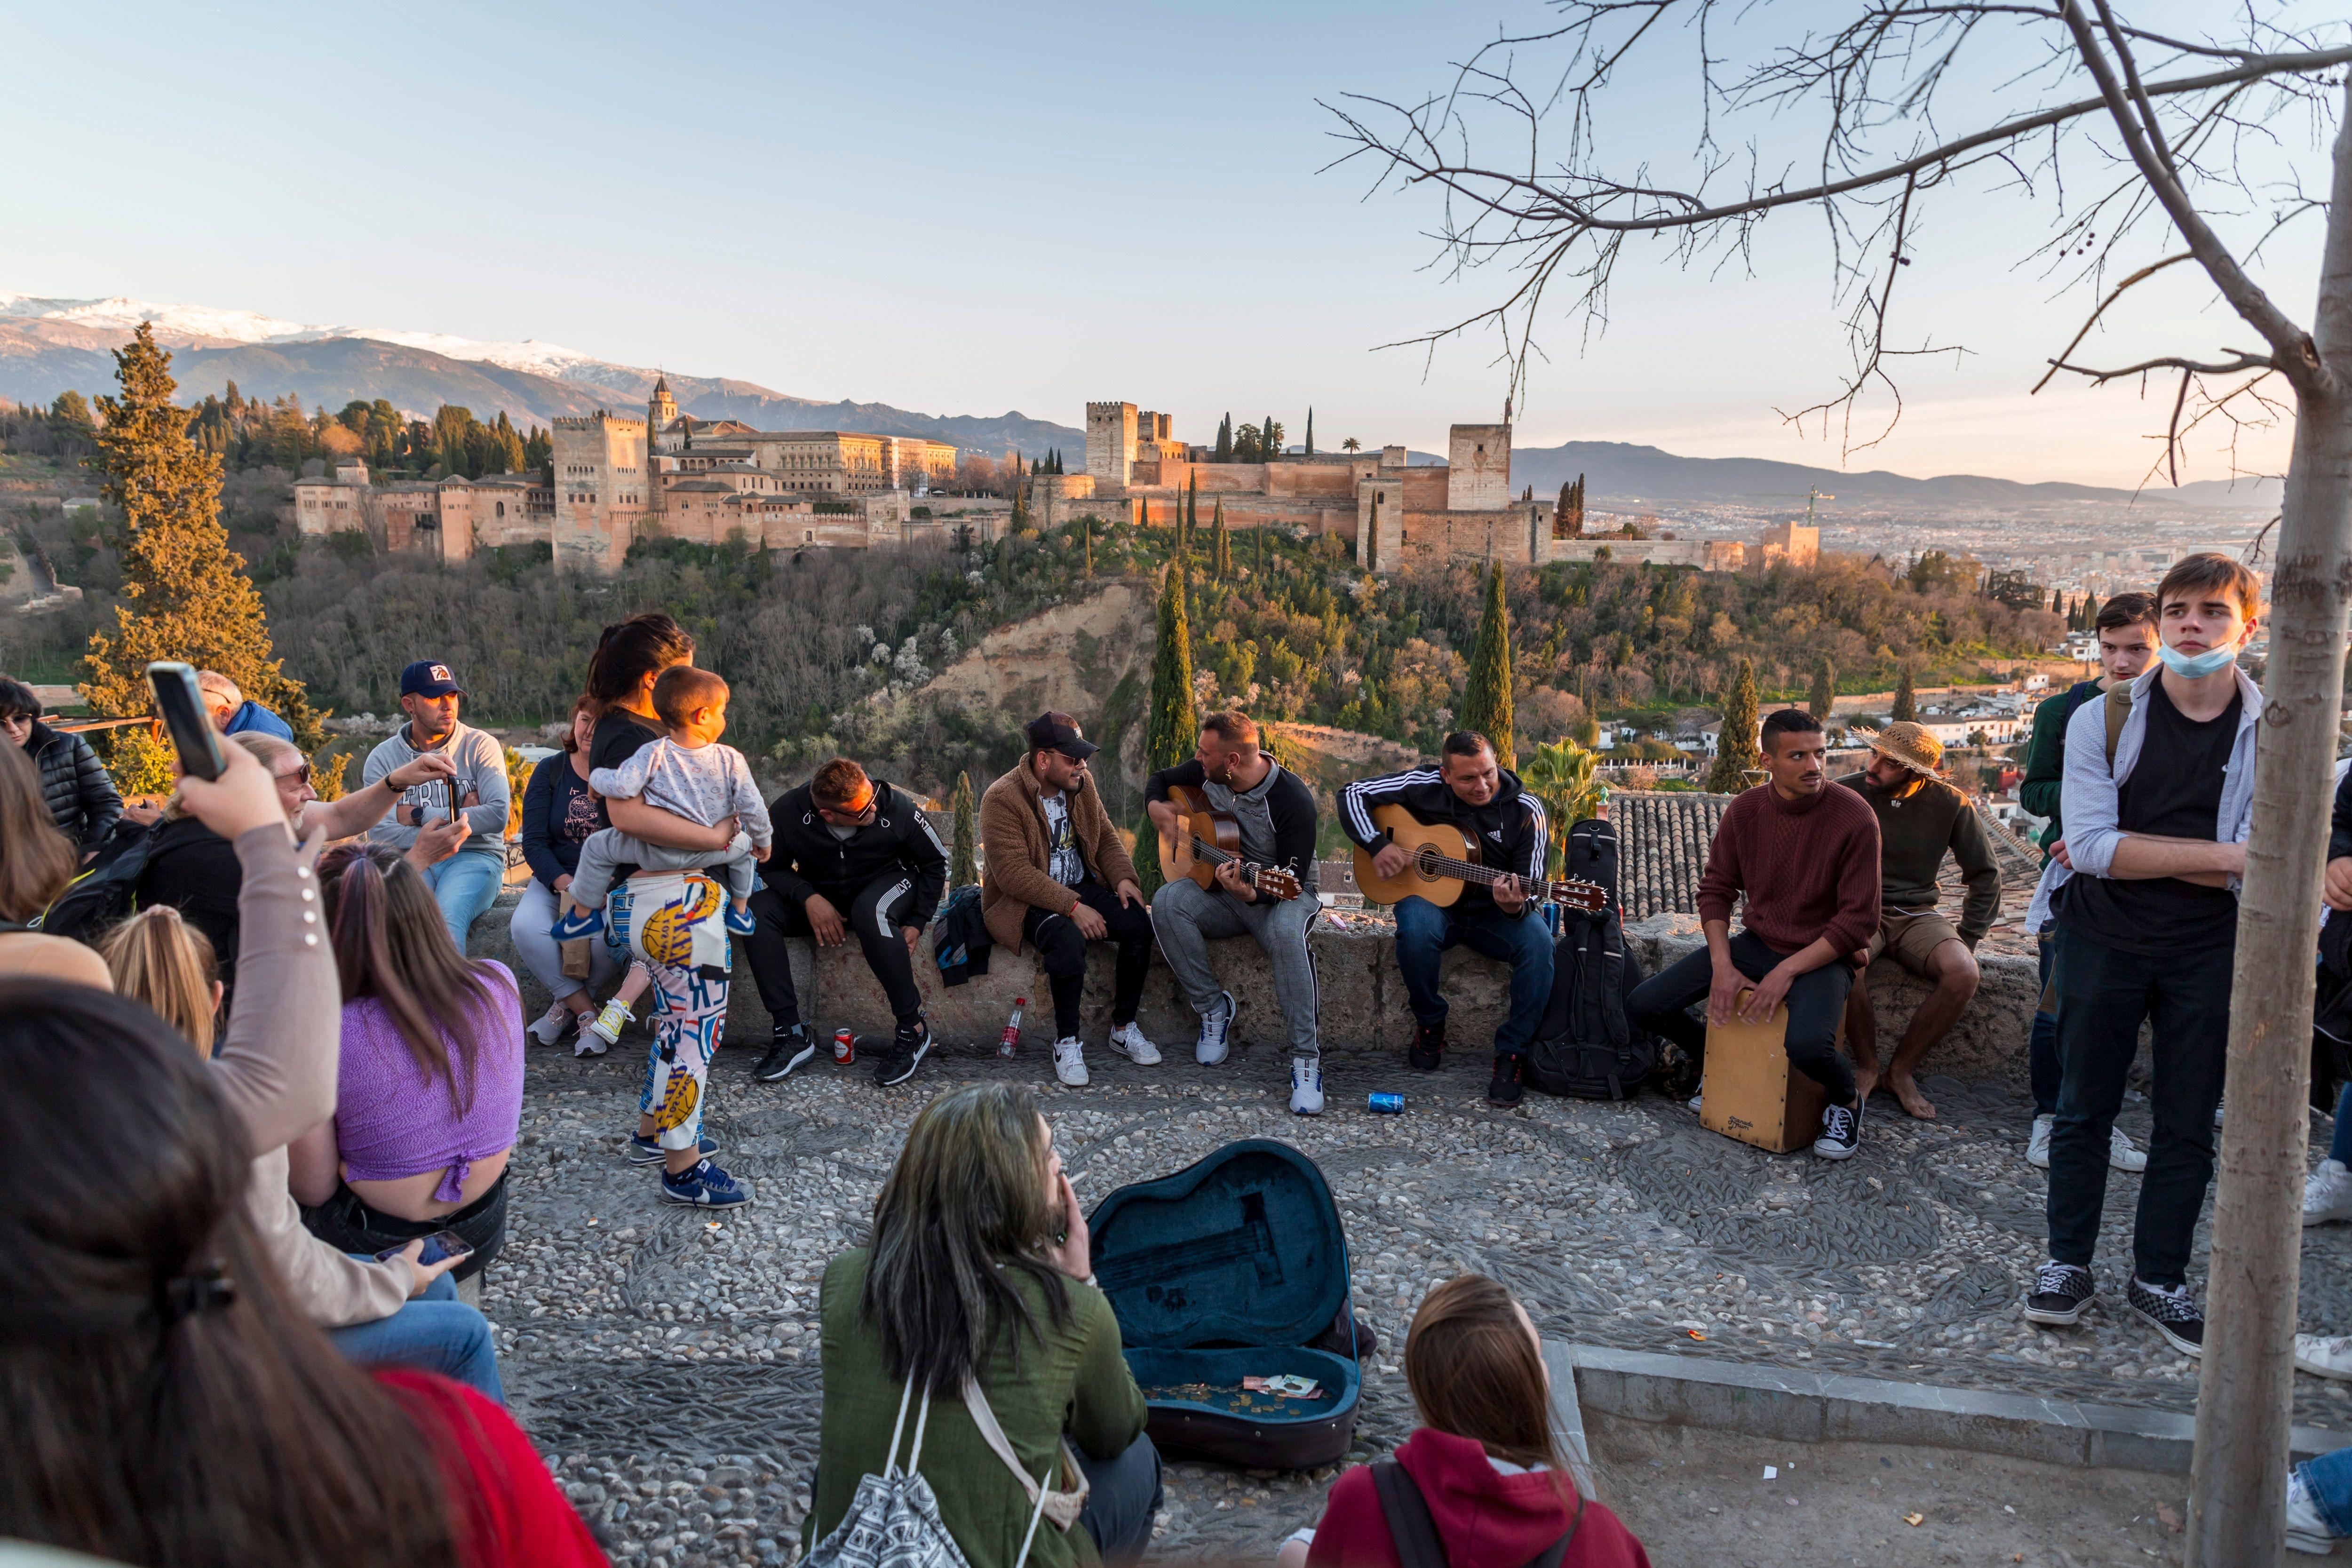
point(1840, 1133)
point(2173, 1312)
point(1428, 1046)
point(793, 1047)
point(2060, 1294)
point(1503, 1087)
point(905, 1055)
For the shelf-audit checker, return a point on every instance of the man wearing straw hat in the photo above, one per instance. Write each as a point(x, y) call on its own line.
point(1920, 820)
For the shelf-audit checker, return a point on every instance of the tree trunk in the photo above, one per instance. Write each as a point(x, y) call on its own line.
point(2237, 1501)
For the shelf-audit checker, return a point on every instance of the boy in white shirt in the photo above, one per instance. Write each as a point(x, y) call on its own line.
point(690, 775)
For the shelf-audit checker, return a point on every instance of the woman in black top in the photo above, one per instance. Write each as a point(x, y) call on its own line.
point(82, 799)
point(559, 812)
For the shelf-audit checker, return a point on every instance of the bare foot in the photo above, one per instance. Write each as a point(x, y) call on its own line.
point(1864, 1080)
point(1913, 1102)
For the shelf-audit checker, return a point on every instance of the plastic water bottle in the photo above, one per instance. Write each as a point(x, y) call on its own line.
point(1008, 1044)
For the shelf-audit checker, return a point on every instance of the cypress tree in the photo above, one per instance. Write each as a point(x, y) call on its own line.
point(1222, 553)
point(1735, 747)
point(963, 867)
point(186, 595)
point(2057, 601)
point(1486, 697)
point(1088, 524)
point(1224, 440)
point(1906, 706)
point(1310, 429)
point(1260, 530)
point(1266, 442)
point(1172, 729)
point(1192, 499)
point(1824, 695)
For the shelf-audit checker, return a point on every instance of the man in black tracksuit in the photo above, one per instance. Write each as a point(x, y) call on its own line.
point(852, 856)
point(1506, 826)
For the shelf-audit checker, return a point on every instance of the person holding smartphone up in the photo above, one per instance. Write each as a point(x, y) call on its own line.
point(475, 791)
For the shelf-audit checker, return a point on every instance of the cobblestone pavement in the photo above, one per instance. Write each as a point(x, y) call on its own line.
point(666, 1359)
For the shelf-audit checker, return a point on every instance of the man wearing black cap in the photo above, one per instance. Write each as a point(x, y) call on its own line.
point(465, 884)
point(1058, 879)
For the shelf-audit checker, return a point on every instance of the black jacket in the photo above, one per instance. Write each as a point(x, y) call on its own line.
point(808, 858)
point(1290, 805)
point(81, 798)
point(2339, 833)
point(551, 836)
point(1510, 830)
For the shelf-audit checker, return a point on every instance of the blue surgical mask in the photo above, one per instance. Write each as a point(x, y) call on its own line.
point(2195, 666)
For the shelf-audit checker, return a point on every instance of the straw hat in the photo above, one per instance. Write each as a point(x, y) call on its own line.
point(1910, 744)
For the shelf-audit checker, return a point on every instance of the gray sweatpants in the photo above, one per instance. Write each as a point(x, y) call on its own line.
point(1187, 918)
point(609, 846)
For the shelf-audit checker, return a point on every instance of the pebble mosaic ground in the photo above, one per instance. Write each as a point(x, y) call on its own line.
point(665, 1359)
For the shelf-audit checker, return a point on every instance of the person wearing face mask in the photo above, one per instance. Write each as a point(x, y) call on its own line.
point(2159, 790)
point(1921, 819)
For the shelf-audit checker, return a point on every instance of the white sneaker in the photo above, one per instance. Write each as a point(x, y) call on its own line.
point(551, 1024)
point(1070, 1061)
point(1305, 1087)
point(2327, 1192)
point(2323, 1356)
point(2306, 1529)
point(2121, 1155)
point(1129, 1041)
point(1210, 1049)
point(1697, 1105)
point(2037, 1148)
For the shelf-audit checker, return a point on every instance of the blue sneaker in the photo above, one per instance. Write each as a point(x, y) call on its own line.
point(742, 923)
point(644, 1151)
point(572, 928)
point(705, 1186)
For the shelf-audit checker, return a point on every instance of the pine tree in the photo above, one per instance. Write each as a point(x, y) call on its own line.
point(1310, 429)
point(1823, 700)
point(1172, 730)
point(964, 868)
point(1906, 706)
point(1735, 748)
point(1486, 697)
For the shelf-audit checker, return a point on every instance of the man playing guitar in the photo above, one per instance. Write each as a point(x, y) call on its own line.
point(1276, 814)
point(1467, 791)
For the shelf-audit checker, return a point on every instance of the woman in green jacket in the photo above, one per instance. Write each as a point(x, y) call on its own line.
point(979, 1271)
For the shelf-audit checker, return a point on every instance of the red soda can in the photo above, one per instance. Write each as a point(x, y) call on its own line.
point(844, 1047)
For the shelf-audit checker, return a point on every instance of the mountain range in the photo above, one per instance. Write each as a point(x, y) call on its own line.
point(48, 345)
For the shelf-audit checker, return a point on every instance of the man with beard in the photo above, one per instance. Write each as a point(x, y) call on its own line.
point(1920, 820)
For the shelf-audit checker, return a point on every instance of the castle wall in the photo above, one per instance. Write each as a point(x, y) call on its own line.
point(1110, 443)
point(1479, 468)
point(603, 489)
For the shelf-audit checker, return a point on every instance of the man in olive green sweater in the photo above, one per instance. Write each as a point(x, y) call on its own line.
point(1920, 820)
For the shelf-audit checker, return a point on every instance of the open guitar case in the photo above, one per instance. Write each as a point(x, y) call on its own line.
point(1235, 1267)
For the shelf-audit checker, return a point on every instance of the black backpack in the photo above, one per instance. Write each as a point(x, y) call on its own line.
point(106, 893)
point(1586, 1047)
point(960, 939)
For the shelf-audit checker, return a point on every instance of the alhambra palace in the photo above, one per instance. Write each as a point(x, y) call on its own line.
point(617, 478)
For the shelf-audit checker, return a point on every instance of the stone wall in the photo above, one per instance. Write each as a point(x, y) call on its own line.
point(1363, 1003)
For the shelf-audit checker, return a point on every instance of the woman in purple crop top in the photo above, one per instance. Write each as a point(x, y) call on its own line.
point(429, 1093)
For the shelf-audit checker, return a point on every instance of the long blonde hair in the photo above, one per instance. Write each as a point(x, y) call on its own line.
point(157, 958)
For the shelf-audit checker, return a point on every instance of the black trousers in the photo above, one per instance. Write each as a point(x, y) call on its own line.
point(2103, 996)
point(1815, 1003)
point(874, 915)
point(345, 1223)
point(1123, 1494)
point(1064, 953)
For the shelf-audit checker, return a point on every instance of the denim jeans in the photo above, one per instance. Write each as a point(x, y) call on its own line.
point(1816, 1001)
point(2103, 996)
point(434, 1332)
point(1122, 1496)
point(464, 886)
point(1522, 941)
point(345, 1222)
point(2042, 1071)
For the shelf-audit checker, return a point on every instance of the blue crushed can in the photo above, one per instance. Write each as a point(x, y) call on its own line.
point(1386, 1104)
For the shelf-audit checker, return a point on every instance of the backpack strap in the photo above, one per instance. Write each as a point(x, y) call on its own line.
point(1411, 1530)
point(2119, 707)
point(1550, 1556)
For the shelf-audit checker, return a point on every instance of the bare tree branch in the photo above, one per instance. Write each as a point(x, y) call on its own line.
point(2143, 275)
point(2243, 361)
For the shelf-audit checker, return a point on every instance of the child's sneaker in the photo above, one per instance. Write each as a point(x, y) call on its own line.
point(704, 1187)
point(616, 1016)
point(644, 1151)
point(572, 928)
point(742, 923)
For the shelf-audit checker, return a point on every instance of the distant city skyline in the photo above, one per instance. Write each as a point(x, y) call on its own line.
point(979, 217)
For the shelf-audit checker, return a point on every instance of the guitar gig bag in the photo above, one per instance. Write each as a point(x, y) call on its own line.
point(1230, 1270)
point(1586, 1047)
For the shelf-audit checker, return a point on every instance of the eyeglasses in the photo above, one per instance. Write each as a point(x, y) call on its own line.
point(300, 775)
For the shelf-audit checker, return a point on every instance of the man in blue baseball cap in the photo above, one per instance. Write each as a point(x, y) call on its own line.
point(465, 883)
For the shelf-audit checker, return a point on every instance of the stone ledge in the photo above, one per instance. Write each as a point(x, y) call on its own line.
point(1364, 1001)
point(1825, 1408)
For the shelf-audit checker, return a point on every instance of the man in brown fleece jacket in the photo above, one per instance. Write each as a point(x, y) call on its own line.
point(1920, 820)
point(1805, 853)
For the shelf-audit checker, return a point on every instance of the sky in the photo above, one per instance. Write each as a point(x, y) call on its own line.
point(966, 210)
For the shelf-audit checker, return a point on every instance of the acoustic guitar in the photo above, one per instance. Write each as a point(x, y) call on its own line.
point(1443, 862)
point(1207, 839)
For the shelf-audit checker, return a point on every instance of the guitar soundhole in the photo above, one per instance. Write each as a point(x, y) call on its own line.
point(1424, 862)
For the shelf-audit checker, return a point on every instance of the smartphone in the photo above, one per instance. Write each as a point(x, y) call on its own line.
point(181, 706)
point(441, 1244)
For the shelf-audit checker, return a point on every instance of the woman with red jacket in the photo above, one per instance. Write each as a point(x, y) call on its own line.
point(1479, 1484)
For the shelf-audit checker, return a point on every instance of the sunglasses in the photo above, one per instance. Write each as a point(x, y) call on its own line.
point(300, 775)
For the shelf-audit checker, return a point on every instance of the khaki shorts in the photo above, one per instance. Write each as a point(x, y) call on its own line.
point(1911, 938)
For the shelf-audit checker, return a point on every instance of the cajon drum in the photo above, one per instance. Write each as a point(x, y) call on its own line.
point(1752, 1092)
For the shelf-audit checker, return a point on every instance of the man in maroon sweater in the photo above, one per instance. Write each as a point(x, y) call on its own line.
point(1805, 852)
